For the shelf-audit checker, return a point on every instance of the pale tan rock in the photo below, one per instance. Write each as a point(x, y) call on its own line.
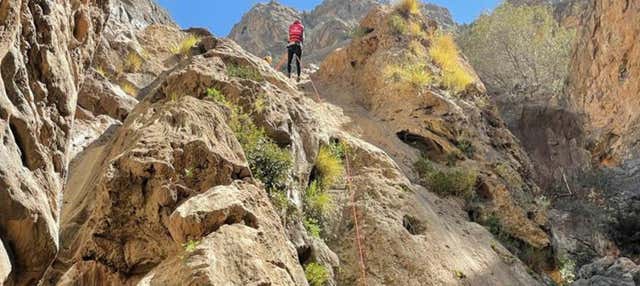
point(5, 264)
point(205, 213)
point(44, 49)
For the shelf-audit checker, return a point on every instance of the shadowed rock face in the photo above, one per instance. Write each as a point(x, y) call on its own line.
point(331, 25)
point(45, 46)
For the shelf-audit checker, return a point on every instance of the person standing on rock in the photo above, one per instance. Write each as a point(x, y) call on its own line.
point(294, 48)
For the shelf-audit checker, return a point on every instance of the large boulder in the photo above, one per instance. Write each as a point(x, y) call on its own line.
point(609, 271)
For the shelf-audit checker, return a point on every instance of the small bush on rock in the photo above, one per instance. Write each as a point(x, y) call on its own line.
point(244, 72)
point(329, 166)
point(316, 274)
point(447, 182)
point(133, 62)
point(445, 54)
point(184, 47)
point(407, 7)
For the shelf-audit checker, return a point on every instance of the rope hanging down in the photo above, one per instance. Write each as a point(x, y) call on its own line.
point(354, 208)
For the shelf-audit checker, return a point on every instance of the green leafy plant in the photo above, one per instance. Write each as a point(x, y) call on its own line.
point(316, 274)
point(188, 172)
point(216, 95)
point(243, 72)
point(329, 166)
point(318, 202)
point(449, 181)
point(191, 246)
point(567, 268)
point(312, 226)
point(466, 147)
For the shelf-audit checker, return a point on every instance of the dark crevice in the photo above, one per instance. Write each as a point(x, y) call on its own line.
point(20, 144)
point(304, 254)
point(413, 225)
point(428, 147)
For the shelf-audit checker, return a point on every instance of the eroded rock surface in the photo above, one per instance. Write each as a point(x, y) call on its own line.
point(45, 46)
point(407, 124)
point(609, 271)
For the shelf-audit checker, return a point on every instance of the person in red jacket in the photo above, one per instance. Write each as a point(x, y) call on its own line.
point(296, 38)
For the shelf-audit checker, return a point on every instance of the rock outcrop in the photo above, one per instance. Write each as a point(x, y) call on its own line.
point(602, 85)
point(432, 122)
point(45, 46)
point(609, 271)
point(331, 25)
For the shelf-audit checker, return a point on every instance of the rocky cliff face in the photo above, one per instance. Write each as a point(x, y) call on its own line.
point(263, 30)
point(45, 46)
point(128, 165)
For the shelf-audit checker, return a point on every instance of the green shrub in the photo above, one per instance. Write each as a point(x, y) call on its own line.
point(316, 274)
point(268, 162)
point(519, 49)
point(398, 25)
point(243, 72)
point(453, 182)
point(312, 226)
point(448, 182)
point(317, 201)
point(329, 166)
point(466, 147)
point(567, 268)
point(191, 245)
point(217, 96)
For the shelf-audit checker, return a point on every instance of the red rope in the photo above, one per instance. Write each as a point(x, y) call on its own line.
point(363, 272)
point(354, 208)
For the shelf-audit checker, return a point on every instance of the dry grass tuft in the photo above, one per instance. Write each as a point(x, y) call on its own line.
point(444, 53)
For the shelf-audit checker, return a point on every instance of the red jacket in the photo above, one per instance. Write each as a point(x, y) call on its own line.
point(296, 32)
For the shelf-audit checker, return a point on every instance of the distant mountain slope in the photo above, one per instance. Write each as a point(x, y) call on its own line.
point(263, 30)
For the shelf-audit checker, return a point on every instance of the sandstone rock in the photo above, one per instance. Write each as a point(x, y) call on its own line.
point(409, 123)
point(609, 271)
point(234, 255)
point(40, 74)
point(205, 213)
point(104, 98)
point(5, 264)
point(602, 85)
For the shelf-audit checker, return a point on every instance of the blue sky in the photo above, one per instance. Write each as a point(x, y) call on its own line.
point(220, 15)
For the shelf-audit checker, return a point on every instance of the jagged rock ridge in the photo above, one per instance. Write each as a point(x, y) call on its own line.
point(263, 30)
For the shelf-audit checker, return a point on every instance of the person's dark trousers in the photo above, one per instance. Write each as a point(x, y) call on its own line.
point(294, 49)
